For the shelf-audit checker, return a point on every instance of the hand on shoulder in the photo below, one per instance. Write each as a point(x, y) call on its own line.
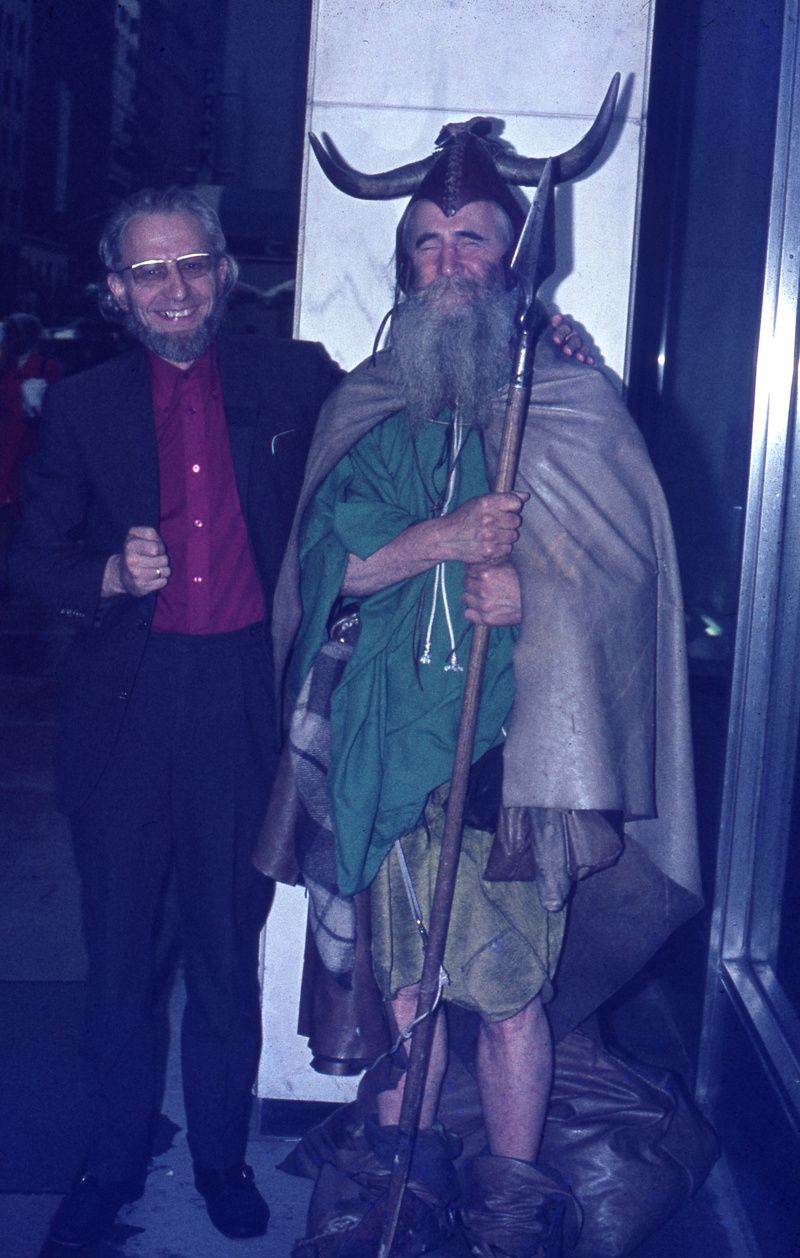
point(571, 344)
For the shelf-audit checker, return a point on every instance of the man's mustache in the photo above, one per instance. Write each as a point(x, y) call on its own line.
point(444, 286)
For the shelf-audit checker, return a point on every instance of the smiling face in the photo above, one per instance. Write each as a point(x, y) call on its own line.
point(470, 245)
point(176, 318)
point(451, 332)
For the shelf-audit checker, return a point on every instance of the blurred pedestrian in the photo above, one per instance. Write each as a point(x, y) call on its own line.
point(25, 373)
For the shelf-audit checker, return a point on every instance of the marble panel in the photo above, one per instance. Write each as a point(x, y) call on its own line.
point(383, 79)
point(477, 56)
point(285, 1072)
point(345, 282)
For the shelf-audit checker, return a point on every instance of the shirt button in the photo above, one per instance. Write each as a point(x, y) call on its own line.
point(195, 468)
point(197, 580)
point(198, 524)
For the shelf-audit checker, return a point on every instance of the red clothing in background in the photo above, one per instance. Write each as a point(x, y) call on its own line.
point(18, 434)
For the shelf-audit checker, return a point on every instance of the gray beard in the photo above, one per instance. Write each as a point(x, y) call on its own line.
point(453, 356)
point(177, 347)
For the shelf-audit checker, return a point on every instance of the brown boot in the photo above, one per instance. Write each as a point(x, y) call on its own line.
point(517, 1210)
point(347, 1209)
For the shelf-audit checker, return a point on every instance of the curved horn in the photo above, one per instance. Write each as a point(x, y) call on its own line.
point(568, 165)
point(399, 182)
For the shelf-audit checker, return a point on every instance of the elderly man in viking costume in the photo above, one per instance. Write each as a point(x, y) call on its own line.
point(399, 549)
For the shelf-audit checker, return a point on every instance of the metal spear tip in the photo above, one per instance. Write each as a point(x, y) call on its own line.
point(534, 256)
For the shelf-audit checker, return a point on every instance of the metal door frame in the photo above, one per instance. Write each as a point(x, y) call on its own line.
point(765, 689)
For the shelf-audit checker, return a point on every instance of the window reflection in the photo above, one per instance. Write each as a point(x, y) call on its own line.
point(788, 959)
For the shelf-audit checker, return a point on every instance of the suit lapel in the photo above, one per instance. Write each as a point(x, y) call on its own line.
point(132, 441)
point(240, 396)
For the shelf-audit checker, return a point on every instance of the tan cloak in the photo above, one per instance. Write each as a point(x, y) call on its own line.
point(600, 717)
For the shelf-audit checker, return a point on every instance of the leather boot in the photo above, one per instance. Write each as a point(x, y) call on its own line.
point(517, 1210)
point(348, 1207)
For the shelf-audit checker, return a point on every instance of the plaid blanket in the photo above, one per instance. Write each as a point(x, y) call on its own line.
point(331, 914)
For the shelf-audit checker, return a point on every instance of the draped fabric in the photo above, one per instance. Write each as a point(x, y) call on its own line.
point(600, 718)
point(394, 719)
point(600, 715)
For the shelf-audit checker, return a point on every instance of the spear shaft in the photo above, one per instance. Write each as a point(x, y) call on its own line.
point(531, 262)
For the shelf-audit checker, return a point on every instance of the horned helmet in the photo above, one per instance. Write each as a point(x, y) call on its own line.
point(468, 164)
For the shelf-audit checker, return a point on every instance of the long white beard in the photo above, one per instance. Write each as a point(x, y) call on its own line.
point(451, 344)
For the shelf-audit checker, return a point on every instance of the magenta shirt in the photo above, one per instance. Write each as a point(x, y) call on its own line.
point(214, 587)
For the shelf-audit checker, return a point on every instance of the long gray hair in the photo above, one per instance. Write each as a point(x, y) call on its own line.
point(174, 200)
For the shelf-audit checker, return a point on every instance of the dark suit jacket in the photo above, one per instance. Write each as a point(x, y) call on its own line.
point(94, 475)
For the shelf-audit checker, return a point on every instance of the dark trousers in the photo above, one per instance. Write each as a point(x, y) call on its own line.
point(179, 805)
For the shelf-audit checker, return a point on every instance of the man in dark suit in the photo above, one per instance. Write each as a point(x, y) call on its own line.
point(155, 512)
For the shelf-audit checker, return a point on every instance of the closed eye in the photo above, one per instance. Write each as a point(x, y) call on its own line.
point(429, 240)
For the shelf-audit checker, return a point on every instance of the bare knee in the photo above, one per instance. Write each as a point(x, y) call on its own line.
point(403, 1005)
point(531, 1019)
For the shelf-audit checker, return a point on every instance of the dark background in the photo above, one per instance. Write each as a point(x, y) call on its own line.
point(100, 97)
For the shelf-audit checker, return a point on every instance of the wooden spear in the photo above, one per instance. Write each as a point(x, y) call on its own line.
point(532, 262)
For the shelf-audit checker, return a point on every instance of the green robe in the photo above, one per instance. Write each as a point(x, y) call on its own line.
point(394, 720)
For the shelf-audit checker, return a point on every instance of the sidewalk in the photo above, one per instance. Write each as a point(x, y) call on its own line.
point(170, 1220)
point(42, 966)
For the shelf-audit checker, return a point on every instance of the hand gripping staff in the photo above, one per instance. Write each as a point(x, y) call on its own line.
point(532, 262)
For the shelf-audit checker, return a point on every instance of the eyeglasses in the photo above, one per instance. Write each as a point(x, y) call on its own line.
point(191, 266)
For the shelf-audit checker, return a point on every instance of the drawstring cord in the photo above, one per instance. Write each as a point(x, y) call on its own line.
point(405, 1032)
point(439, 582)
